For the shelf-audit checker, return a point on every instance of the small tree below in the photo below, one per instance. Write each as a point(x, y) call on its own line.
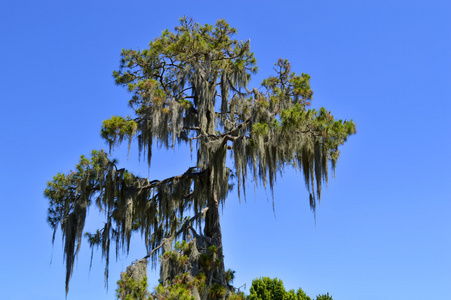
point(266, 288)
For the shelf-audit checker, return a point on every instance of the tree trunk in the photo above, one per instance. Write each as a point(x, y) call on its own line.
point(203, 258)
point(212, 230)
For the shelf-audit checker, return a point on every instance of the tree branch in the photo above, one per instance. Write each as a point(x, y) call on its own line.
point(237, 127)
point(184, 226)
point(187, 174)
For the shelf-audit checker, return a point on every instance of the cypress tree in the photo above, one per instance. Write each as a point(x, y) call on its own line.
point(191, 87)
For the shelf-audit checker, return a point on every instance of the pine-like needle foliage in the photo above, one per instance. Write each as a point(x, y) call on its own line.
point(191, 86)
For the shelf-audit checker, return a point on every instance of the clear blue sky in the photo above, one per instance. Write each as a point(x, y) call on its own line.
point(383, 228)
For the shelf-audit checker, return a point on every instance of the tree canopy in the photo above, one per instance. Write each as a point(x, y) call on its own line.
point(191, 87)
point(265, 288)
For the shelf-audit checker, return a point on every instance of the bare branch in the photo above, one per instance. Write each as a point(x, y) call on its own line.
point(186, 175)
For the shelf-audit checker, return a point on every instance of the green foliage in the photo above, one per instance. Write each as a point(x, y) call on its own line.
point(212, 249)
point(177, 291)
point(236, 296)
point(217, 291)
point(229, 276)
point(182, 246)
point(115, 129)
point(261, 129)
point(134, 290)
point(288, 85)
point(205, 261)
point(324, 297)
point(180, 256)
point(170, 255)
point(199, 282)
point(266, 288)
point(301, 295)
point(333, 132)
point(181, 287)
point(290, 295)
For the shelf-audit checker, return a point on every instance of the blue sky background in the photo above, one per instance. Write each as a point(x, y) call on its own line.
point(383, 228)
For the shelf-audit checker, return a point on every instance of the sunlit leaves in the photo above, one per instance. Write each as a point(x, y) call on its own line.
point(115, 129)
